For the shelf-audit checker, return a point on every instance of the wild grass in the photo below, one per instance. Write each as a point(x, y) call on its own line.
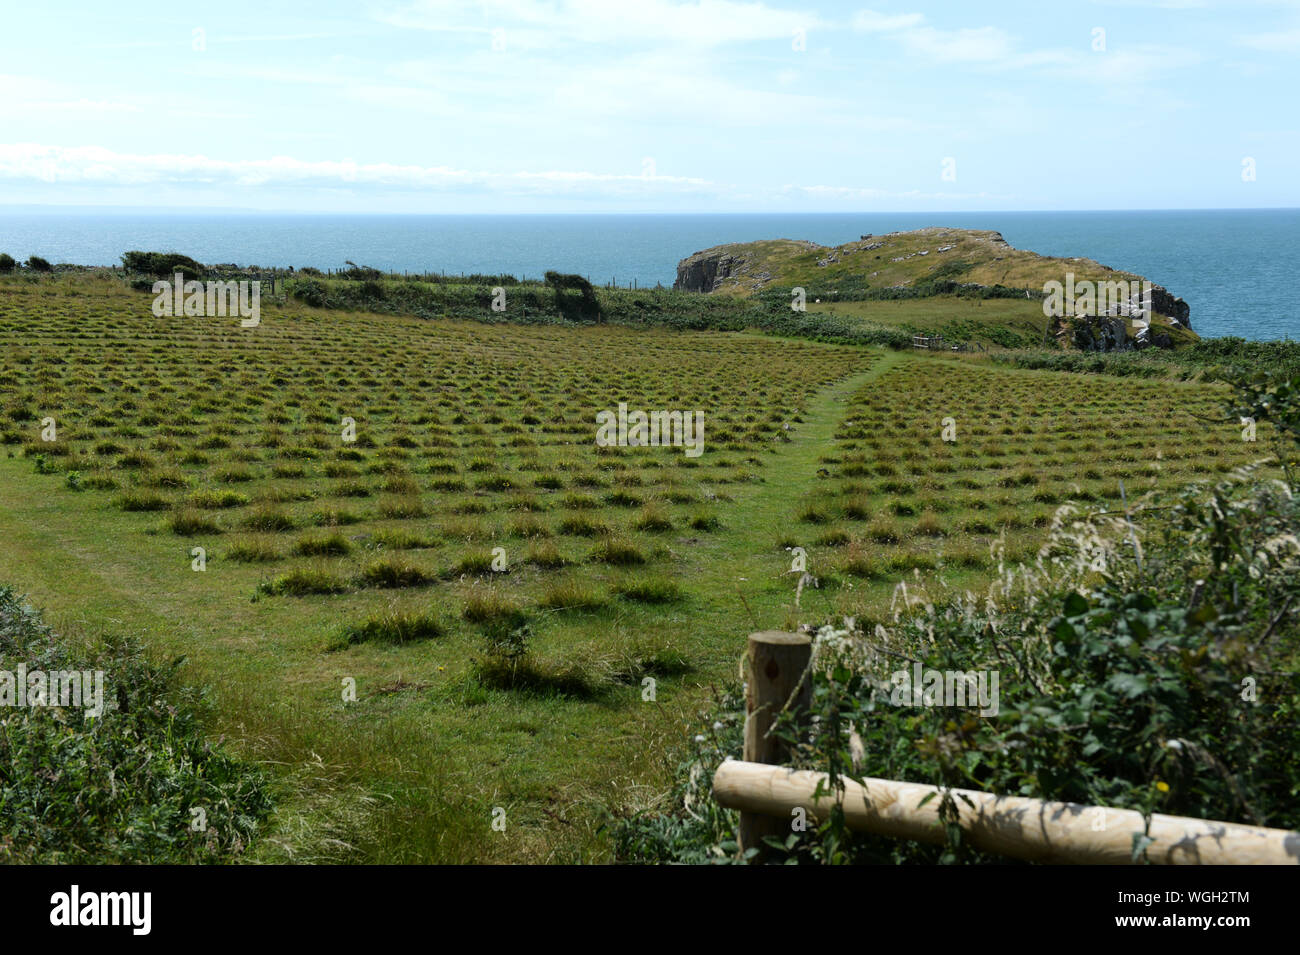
point(474, 435)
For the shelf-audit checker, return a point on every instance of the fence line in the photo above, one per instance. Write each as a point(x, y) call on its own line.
point(1015, 826)
point(770, 796)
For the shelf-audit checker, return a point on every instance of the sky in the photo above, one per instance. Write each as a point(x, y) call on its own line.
point(519, 106)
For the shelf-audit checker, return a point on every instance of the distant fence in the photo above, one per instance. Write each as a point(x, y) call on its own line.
point(937, 343)
point(1035, 830)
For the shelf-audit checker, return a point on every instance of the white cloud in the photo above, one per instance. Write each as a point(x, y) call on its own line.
point(993, 48)
point(90, 107)
point(1283, 41)
point(94, 164)
point(160, 173)
point(1157, 4)
point(29, 95)
point(967, 45)
point(866, 193)
point(973, 45)
point(702, 23)
point(869, 21)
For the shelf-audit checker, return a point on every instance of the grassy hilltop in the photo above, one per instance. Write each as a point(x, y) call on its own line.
point(896, 260)
point(962, 283)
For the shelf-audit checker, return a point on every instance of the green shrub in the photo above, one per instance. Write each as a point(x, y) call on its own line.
point(621, 553)
point(187, 522)
point(163, 264)
point(303, 581)
point(269, 519)
point(216, 500)
point(473, 565)
point(706, 522)
point(392, 572)
point(44, 465)
point(391, 627)
point(118, 788)
point(335, 545)
point(572, 595)
point(253, 551)
point(656, 590)
point(140, 501)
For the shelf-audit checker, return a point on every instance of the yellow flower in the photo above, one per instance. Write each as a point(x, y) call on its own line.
point(1162, 786)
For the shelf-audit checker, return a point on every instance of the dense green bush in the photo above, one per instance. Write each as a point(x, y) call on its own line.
point(119, 787)
point(310, 292)
point(585, 307)
point(163, 264)
point(38, 264)
point(7, 263)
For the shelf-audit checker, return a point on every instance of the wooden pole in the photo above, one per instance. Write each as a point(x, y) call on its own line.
point(1013, 826)
point(774, 677)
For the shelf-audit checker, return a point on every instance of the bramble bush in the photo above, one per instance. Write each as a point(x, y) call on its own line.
point(119, 787)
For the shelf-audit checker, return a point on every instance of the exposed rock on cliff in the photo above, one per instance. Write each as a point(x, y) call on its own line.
point(705, 271)
point(723, 265)
point(1166, 304)
point(1091, 333)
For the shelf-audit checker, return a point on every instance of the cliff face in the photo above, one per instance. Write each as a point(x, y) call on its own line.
point(705, 271)
point(1166, 304)
point(740, 267)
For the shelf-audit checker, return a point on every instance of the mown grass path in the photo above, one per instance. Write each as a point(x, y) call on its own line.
point(745, 559)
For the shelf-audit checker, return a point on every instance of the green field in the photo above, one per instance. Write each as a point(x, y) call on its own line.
point(371, 560)
point(990, 323)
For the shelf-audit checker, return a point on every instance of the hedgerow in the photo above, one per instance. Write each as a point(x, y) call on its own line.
point(1211, 359)
point(547, 304)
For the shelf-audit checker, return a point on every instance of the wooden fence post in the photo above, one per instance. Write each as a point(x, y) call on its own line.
point(774, 674)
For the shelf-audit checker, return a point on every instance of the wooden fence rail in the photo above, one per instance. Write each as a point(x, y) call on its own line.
point(769, 797)
point(1014, 826)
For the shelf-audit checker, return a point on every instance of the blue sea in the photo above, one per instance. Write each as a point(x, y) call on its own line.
point(1235, 268)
